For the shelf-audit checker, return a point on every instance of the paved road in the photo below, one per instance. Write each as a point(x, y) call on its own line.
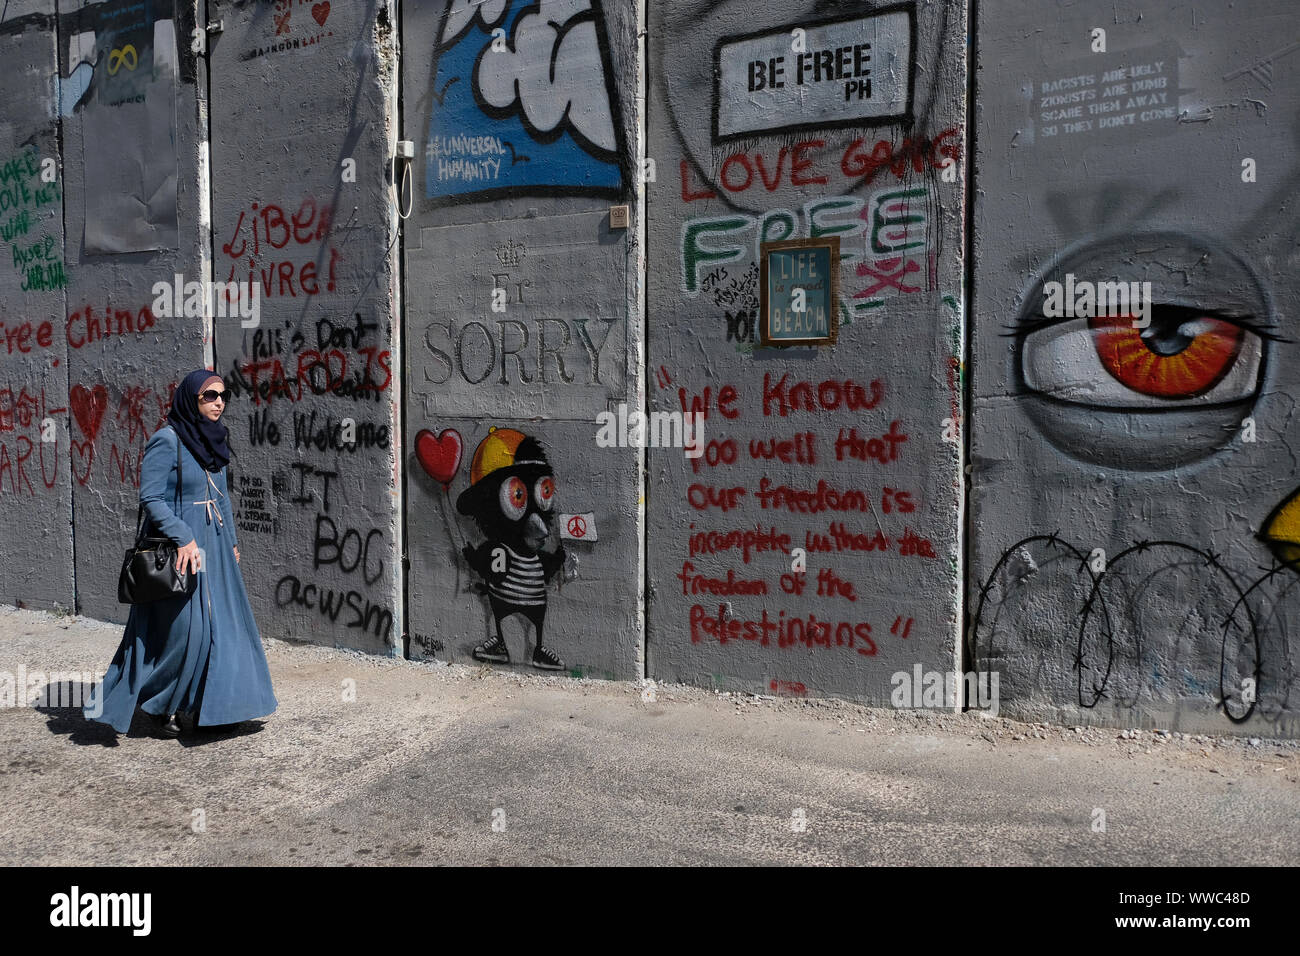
point(453, 764)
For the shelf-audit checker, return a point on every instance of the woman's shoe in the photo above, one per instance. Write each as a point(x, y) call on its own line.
point(170, 726)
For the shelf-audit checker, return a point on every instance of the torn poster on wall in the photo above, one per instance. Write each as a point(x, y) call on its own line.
point(119, 75)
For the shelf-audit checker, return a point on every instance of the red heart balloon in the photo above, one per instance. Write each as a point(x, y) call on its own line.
point(439, 455)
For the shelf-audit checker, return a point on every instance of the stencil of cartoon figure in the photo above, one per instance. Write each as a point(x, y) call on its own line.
point(512, 499)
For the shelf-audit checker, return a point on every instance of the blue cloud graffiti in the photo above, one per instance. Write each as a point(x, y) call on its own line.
point(523, 104)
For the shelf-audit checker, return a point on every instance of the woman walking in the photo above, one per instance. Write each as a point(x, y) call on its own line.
point(200, 654)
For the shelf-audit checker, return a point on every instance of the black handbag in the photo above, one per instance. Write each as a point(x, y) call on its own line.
point(149, 572)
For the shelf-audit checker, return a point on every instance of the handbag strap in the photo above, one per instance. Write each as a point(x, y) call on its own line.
point(139, 514)
point(179, 473)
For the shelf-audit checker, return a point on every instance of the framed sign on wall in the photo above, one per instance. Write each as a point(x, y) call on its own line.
point(798, 291)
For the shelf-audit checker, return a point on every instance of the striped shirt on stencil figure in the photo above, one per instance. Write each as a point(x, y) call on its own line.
point(524, 581)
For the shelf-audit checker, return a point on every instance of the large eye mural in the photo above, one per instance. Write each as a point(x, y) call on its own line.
point(1165, 381)
point(1182, 353)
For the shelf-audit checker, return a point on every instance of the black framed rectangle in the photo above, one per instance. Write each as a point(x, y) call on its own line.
point(799, 286)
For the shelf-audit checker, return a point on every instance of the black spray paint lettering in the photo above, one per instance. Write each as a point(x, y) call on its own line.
point(329, 435)
point(349, 550)
point(261, 430)
point(743, 325)
point(269, 343)
point(366, 615)
point(430, 644)
point(328, 335)
point(253, 514)
point(303, 497)
point(316, 373)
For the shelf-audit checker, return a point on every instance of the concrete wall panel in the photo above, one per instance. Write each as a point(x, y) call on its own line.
point(303, 207)
point(131, 141)
point(838, 450)
point(1133, 536)
point(1123, 477)
point(522, 313)
point(35, 486)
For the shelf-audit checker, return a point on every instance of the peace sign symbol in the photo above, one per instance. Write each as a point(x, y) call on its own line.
point(125, 57)
point(578, 526)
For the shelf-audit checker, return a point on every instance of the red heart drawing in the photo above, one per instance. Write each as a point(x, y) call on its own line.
point(85, 451)
point(320, 12)
point(439, 455)
point(88, 408)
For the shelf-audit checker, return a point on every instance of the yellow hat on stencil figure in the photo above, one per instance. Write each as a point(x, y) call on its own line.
point(502, 456)
point(497, 450)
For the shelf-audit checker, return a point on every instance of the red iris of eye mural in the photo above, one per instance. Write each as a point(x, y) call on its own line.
point(1184, 361)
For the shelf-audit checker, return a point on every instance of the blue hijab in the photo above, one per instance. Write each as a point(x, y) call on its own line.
point(205, 438)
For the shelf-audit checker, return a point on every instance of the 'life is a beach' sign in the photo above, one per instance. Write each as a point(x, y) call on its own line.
point(798, 290)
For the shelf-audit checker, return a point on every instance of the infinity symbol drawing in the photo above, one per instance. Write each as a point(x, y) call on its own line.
point(125, 57)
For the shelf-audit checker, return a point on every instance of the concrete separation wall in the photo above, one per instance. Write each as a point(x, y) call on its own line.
point(1132, 487)
point(302, 206)
point(35, 478)
point(133, 199)
point(813, 548)
point(522, 321)
point(533, 353)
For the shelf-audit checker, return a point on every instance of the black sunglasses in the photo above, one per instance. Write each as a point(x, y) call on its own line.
point(211, 395)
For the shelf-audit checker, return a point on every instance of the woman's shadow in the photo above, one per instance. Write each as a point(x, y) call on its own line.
point(62, 704)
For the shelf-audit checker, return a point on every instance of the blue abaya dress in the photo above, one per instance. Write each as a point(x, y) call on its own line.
point(201, 653)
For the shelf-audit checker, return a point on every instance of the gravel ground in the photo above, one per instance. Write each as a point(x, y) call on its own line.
point(436, 763)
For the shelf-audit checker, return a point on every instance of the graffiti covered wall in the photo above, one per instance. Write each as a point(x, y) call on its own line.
point(303, 208)
point(1133, 548)
point(99, 146)
point(523, 325)
point(813, 547)
point(131, 144)
point(35, 487)
point(751, 228)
